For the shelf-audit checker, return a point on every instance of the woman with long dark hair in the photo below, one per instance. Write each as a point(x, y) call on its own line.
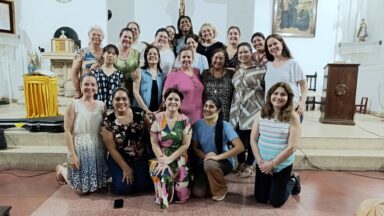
point(125, 135)
point(281, 67)
point(210, 144)
point(148, 86)
point(184, 29)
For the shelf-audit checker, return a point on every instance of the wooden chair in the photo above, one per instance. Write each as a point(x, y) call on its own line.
point(312, 94)
point(362, 107)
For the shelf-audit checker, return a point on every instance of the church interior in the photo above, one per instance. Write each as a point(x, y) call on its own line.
point(340, 157)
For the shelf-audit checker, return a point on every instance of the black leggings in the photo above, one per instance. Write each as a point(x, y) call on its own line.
point(274, 188)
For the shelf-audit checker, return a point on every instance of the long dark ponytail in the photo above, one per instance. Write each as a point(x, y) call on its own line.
point(219, 124)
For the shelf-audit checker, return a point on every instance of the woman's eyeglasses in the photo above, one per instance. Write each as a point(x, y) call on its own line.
point(121, 98)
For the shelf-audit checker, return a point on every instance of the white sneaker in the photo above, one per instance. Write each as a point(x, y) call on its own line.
point(219, 198)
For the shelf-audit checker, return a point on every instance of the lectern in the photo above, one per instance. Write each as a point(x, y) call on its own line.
point(339, 94)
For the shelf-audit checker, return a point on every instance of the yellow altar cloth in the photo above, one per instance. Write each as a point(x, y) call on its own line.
point(40, 96)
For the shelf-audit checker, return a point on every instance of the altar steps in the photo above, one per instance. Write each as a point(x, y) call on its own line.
point(45, 150)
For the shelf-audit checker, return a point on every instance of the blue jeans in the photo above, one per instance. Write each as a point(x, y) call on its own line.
point(274, 188)
point(141, 182)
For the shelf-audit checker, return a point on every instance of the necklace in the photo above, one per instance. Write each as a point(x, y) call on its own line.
point(125, 118)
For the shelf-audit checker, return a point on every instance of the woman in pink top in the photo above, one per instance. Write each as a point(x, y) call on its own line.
point(187, 80)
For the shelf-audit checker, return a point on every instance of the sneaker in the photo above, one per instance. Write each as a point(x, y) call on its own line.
point(297, 187)
point(219, 198)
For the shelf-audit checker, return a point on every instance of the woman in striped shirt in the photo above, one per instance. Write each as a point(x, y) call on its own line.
point(274, 137)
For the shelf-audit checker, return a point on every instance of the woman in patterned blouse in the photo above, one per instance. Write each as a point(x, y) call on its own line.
point(217, 80)
point(248, 98)
point(107, 76)
point(87, 57)
point(125, 135)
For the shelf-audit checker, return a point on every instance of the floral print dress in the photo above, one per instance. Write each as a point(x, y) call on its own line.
point(171, 185)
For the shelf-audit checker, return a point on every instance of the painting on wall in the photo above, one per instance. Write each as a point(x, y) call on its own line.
point(294, 18)
point(7, 20)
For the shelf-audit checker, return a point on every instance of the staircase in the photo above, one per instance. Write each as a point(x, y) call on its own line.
point(323, 146)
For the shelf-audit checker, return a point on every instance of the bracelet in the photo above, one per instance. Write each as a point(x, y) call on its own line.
point(273, 163)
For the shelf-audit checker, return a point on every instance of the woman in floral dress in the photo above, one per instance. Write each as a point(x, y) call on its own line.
point(125, 135)
point(170, 138)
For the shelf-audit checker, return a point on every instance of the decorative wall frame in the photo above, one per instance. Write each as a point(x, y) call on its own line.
point(294, 18)
point(7, 17)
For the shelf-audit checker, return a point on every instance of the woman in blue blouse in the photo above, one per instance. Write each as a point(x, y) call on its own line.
point(210, 144)
point(148, 85)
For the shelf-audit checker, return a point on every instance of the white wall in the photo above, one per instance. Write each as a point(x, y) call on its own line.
point(122, 13)
point(369, 54)
point(312, 53)
point(39, 19)
point(36, 22)
point(153, 14)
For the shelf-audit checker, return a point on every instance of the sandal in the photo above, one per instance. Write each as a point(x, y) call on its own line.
point(239, 169)
point(59, 177)
point(247, 172)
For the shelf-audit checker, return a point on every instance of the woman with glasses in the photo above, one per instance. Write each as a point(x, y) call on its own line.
point(125, 135)
point(148, 86)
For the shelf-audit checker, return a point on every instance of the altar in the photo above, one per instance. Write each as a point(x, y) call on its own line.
point(61, 64)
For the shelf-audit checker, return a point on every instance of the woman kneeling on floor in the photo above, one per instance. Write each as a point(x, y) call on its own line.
point(275, 135)
point(170, 138)
point(126, 137)
point(210, 144)
point(87, 171)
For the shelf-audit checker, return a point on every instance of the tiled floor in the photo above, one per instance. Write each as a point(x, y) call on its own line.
point(323, 193)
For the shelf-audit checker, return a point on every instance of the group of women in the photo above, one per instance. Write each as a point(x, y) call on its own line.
point(224, 101)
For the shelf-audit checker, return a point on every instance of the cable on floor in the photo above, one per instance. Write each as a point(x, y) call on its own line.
point(369, 131)
point(309, 163)
point(4, 171)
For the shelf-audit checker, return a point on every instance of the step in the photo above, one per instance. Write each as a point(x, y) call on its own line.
point(341, 143)
point(22, 137)
point(32, 157)
point(356, 160)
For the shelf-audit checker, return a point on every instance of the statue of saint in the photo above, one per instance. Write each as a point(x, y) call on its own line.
point(181, 8)
point(362, 33)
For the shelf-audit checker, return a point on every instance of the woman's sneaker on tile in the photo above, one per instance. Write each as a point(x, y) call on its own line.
point(297, 186)
point(219, 198)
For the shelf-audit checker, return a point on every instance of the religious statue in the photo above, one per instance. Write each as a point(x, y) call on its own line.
point(362, 33)
point(33, 62)
point(181, 8)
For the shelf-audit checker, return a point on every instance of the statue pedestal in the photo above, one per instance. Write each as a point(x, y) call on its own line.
point(61, 64)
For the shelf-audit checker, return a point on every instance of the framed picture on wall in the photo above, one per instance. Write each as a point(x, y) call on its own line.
point(7, 19)
point(294, 18)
